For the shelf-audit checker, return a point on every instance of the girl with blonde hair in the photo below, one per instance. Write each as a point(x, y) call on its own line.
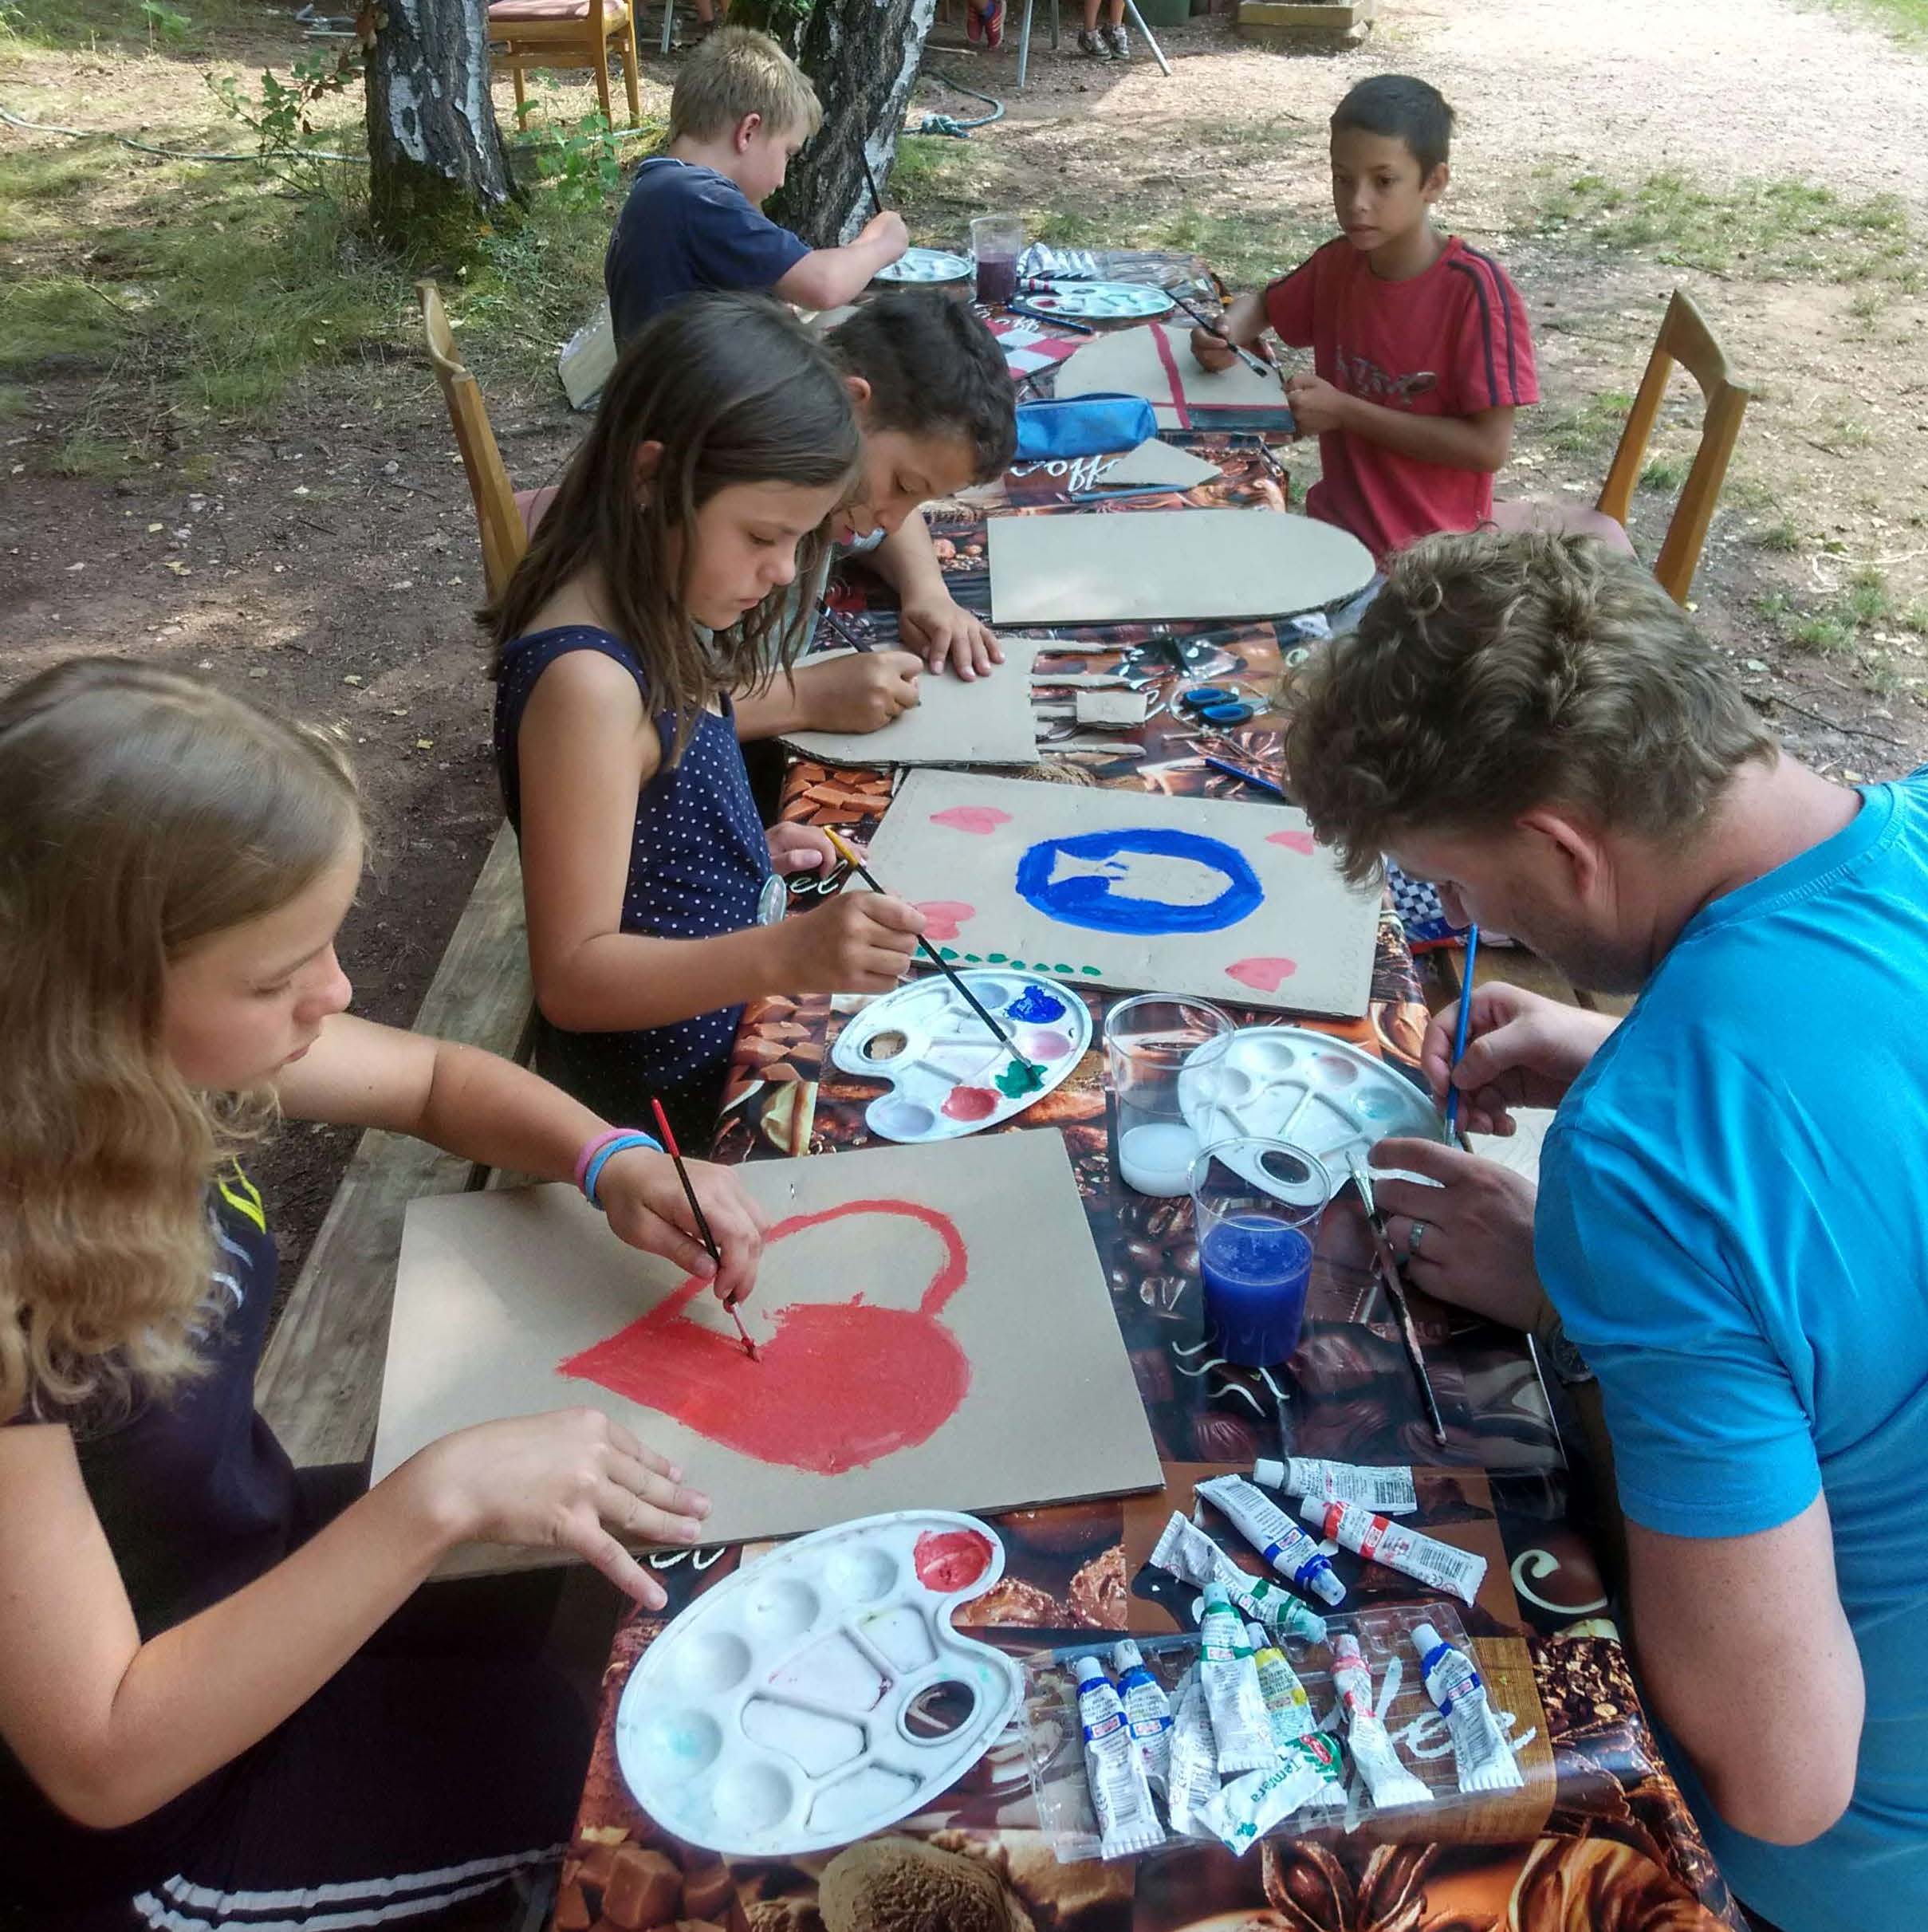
point(194, 1728)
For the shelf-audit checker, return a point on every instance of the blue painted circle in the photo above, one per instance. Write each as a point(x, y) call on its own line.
point(1086, 898)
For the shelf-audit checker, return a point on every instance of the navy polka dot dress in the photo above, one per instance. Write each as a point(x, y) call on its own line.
point(697, 866)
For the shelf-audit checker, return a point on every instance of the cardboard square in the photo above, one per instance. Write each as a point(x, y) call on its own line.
point(935, 1326)
point(1156, 565)
point(1226, 899)
point(986, 721)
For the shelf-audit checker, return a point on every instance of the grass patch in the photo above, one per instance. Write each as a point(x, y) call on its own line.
point(186, 27)
point(1906, 19)
point(1591, 429)
point(1768, 230)
point(1783, 534)
point(1667, 472)
point(1915, 618)
point(1837, 626)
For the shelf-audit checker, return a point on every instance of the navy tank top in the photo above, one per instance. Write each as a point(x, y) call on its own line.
point(699, 860)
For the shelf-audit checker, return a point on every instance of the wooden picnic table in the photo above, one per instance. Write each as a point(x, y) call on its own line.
point(1601, 1834)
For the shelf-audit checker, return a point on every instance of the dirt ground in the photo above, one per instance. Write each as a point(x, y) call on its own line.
point(328, 565)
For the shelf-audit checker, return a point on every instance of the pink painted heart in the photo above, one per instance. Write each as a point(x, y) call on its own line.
point(943, 917)
point(1292, 841)
point(1266, 974)
point(971, 818)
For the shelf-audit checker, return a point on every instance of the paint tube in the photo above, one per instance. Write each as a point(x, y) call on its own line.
point(1193, 1557)
point(1127, 1820)
point(1194, 1758)
point(1287, 1705)
point(1389, 1781)
point(1455, 1571)
point(1232, 1689)
point(1147, 1712)
point(1309, 1770)
point(1274, 1534)
point(1480, 1749)
point(1387, 1490)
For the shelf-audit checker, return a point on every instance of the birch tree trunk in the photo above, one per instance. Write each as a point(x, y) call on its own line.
point(862, 56)
point(436, 167)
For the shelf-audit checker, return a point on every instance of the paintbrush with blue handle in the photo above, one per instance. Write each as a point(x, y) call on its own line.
point(1459, 1036)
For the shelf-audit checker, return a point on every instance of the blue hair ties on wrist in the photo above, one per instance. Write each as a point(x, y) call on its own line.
point(621, 1144)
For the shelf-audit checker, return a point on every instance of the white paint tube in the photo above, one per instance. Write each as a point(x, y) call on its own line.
point(1481, 1753)
point(1231, 1688)
point(1193, 1557)
point(1455, 1571)
point(1274, 1534)
point(1307, 1770)
point(1147, 1712)
point(1386, 1489)
point(1373, 1750)
point(1289, 1708)
point(1194, 1758)
point(1127, 1820)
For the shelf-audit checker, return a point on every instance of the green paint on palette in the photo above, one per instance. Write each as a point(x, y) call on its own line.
point(1019, 1078)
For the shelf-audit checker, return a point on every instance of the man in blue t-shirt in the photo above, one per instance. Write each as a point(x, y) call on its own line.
point(1732, 1219)
point(740, 111)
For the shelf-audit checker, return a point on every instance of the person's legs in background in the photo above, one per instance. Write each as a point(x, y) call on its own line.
point(1116, 44)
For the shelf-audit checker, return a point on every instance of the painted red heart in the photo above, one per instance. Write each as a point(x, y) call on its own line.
point(1293, 841)
point(971, 818)
point(1266, 974)
point(836, 1386)
point(943, 917)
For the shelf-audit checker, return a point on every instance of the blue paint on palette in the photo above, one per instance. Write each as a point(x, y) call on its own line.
point(1145, 883)
point(1034, 1006)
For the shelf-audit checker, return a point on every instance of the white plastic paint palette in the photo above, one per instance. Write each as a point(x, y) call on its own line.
point(820, 1694)
point(944, 1067)
point(926, 265)
point(1291, 1084)
point(1102, 302)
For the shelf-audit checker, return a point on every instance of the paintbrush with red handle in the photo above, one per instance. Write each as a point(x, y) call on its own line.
point(702, 1221)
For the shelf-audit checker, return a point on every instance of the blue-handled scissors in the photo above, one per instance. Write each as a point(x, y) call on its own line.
point(1217, 705)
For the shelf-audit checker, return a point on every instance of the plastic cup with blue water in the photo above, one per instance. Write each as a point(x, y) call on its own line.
point(1257, 1204)
point(1164, 1055)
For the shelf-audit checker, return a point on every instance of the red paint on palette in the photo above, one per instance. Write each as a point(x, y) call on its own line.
point(836, 1386)
point(949, 1560)
point(970, 1103)
point(1293, 841)
point(943, 918)
point(1266, 974)
point(972, 818)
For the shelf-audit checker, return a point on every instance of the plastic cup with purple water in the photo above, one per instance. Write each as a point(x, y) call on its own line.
point(1257, 1204)
point(996, 241)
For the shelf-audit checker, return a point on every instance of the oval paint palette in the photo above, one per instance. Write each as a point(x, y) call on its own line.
point(948, 1075)
point(820, 1693)
point(923, 265)
point(1101, 301)
point(1291, 1084)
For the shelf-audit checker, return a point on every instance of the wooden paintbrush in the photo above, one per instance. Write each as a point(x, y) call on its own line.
point(703, 1220)
point(1257, 365)
point(1395, 1292)
point(1034, 1074)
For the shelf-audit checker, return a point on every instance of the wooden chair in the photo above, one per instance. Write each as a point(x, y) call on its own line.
point(503, 537)
point(550, 34)
point(1685, 339)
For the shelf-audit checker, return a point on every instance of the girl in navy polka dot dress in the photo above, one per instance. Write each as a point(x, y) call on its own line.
point(652, 587)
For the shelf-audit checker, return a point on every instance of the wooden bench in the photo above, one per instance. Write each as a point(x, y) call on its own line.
point(320, 1380)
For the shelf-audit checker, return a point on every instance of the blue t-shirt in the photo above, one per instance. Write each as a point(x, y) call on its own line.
point(699, 860)
point(685, 228)
point(1734, 1223)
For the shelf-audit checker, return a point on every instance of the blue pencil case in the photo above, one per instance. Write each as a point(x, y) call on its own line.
point(1083, 425)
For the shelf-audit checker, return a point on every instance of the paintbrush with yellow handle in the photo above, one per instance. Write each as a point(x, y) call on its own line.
point(1034, 1074)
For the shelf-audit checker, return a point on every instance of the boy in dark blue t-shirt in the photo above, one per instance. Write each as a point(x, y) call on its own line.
point(740, 111)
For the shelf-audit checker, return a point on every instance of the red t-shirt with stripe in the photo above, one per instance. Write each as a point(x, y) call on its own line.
point(1447, 342)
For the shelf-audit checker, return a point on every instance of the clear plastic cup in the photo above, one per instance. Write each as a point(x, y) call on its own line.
point(1163, 1054)
point(1256, 1205)
point(996, 241)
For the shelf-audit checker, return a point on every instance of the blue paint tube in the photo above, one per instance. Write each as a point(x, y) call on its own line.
point(1481, 1753)
point(1274, 1534)
point(1127, 1820)
point(1147, 1712)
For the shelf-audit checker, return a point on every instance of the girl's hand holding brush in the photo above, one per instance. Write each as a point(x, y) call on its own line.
point(858, 942)
point(645, 1204)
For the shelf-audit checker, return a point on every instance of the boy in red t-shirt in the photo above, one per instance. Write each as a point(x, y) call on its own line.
point(1420, 351)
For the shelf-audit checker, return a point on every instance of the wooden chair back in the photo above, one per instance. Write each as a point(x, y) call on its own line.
point(1685, 339)
point(503, 537)
point(522, 38)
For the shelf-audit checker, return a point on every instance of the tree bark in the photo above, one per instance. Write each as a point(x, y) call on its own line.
point(862, 56)
point(437, 168)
